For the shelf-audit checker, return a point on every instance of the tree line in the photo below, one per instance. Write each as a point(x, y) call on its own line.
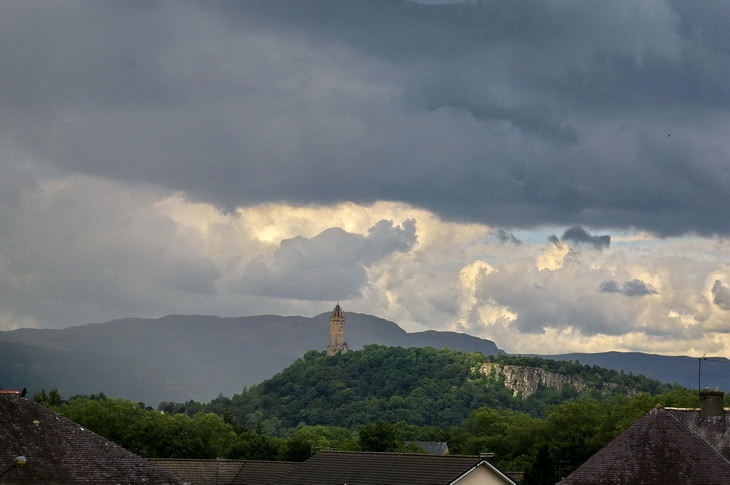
point(381, 399)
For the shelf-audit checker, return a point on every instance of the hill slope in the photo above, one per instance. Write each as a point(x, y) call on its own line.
point(419, 386)
point(182, 357)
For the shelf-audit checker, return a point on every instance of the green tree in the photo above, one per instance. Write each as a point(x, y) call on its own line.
point(251, 445)
point(580, 428)
point(542, 470)
point(216, 436)
point(51, 399)
point(111, 418)
point(512, 436)
point(379, 436)
point(307, 440)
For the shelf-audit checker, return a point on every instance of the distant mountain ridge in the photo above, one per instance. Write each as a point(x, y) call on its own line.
point(683, 370)
point(182, 357)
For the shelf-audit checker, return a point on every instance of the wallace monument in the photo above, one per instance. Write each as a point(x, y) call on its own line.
point(337, 332)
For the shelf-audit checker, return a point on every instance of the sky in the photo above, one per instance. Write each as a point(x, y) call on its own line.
point(550, 175)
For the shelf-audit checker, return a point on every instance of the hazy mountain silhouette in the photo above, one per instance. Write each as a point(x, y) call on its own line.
point(670, 369)
point(182, 357)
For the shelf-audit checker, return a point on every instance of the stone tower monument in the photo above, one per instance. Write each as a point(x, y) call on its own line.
point(337, 332)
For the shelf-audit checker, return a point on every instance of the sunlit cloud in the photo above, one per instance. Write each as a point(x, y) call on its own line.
point(142, 251)
point(549, 175)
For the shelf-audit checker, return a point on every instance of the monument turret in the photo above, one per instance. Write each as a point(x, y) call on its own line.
point(337, 332)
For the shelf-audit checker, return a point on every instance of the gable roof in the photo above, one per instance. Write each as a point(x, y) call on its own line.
point(229, 472)
point(657, 449)
point(59, 450)
point(365, 468)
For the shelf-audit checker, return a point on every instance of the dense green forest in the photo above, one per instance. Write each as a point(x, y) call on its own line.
point(418, 386)
point(380, 398)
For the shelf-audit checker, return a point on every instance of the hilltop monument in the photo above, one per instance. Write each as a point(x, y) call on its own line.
point(337, 332)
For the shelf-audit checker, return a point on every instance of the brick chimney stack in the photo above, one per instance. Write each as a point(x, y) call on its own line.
point(711, 403)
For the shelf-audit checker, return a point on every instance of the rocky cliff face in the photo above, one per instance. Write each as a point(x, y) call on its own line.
point(525, 381)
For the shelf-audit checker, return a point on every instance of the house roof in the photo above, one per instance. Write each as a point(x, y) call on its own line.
point(659, 448)
point(432, 447)
point(229, 472)
point(59, 450)
point(364, 468)
point(713, 430)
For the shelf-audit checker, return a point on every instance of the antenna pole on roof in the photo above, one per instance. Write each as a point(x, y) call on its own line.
point(699, 374)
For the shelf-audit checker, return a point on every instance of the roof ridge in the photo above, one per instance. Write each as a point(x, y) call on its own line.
point(401, 453)
point(242, 460)
point(705, 443)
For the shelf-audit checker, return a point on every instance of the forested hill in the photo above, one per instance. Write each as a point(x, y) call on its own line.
point(419, 386)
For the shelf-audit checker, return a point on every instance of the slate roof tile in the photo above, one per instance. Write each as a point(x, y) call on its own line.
point(363, 468)
point(60, 451)
point(657, 449)
point(230, 472)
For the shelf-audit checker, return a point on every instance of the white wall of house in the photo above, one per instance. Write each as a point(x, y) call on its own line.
point(483, 475)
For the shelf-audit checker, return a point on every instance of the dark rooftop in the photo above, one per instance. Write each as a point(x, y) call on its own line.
point(432, 447)
point(59, 451)
point(363, 468)
point(659, 448)
point(714, 430)
point(229, 472)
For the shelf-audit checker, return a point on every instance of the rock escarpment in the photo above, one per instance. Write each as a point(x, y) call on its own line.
point(525, 381)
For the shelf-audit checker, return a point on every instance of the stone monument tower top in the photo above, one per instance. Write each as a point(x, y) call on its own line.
point(337, 342)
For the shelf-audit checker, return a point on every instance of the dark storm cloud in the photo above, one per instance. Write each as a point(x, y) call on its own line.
point(331, 264)
point(634, 287)
point(609, 287)
point(637, 288)
point(578, 235)
point(515, 114)
point(721, 295)
point(505, 237)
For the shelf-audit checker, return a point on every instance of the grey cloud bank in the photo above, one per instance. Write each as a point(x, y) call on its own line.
point(721, 294)
point(634, 287)
point(507, 114)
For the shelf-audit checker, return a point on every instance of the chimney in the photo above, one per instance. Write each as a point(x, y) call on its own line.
point(711, 403)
